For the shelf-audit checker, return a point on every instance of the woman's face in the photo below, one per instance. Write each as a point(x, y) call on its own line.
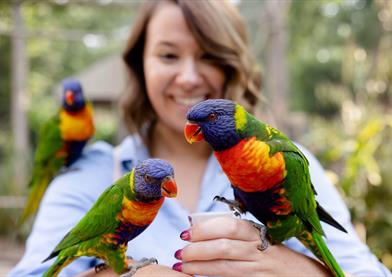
point(177, 72)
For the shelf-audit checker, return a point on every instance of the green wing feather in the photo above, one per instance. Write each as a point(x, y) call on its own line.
point(100, 219)
point(300, 190)
point(50, 142)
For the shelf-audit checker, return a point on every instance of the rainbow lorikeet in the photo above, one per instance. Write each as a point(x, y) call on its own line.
point(61, 141)
point(121, 213)
point(269, 174)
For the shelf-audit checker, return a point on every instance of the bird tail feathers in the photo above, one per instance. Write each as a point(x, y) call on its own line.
point(38, 189)
point(57, 266)
point(327, 218)
point(323, 253)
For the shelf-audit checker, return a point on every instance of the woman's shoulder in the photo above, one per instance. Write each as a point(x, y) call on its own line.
point(92, 171)
point(98, 150)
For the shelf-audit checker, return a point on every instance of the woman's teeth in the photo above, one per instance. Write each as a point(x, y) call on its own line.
point(189, 101)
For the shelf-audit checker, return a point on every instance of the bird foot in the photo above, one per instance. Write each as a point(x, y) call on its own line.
point(263, 235)
point(100, 267)
point(235, 206)
point(142, 263)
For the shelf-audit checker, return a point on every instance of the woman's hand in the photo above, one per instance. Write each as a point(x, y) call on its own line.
point(226, 246)
point(149, 270)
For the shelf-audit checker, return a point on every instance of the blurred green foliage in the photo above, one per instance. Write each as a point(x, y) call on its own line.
point(341, 76)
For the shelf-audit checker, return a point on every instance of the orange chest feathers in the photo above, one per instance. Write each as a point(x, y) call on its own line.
point(138, 213)
point(78, 126)
point(249, 166)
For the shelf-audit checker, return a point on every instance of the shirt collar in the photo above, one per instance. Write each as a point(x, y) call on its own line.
point(132, 152)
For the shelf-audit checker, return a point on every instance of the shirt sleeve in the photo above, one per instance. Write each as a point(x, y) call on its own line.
point(351, 253)
point(67, 199)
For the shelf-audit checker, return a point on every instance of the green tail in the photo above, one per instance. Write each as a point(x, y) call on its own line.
point(315, 242)
point(38, 189)
point(58, 265)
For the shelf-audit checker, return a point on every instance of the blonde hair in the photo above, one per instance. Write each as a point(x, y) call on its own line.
point(220, 32)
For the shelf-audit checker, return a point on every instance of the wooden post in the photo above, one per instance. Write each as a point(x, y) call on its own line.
point(277, 76)
point(18, 98)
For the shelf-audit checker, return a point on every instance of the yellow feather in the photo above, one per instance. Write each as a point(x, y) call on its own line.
point(131, 177)
point(79, 126)
point(240, 117)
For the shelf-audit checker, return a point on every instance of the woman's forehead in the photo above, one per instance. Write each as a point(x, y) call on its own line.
point(168, 27)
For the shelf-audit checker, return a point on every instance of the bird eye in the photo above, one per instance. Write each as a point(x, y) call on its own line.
point(148, 179)
point(212, 117)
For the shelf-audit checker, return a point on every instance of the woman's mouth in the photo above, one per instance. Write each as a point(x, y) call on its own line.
point(188, 101)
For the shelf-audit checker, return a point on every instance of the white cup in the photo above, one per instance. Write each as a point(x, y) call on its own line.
point(199, 217)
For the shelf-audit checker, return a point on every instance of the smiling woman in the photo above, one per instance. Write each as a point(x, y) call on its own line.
point(179, 53)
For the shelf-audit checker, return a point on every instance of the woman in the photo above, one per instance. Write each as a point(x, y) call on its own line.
point(179, 53)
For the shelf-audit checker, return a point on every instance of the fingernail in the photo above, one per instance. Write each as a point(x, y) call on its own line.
point(178, 254)
point(185, 235)
point(177, 267)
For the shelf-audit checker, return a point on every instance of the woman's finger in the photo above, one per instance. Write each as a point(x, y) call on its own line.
point(222, 227)
point(225, 249)
point(219, 268)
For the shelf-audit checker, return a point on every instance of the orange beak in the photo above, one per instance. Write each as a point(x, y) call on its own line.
point(169, 187)
point(69, 97)
point(193, 132)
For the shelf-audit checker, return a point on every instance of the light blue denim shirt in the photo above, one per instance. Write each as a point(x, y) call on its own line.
point(71, 195)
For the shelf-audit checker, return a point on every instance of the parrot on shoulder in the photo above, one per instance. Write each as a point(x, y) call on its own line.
point(268, 173)
point(61, 141)
point(122, 212)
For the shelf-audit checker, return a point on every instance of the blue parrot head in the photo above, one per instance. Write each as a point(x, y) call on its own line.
point(73, 99)
point(212, 120)
point(153, 179)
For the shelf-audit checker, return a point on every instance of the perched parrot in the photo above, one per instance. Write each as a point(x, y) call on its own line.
point(269, 174)
point(121, 213)
point(61, 141)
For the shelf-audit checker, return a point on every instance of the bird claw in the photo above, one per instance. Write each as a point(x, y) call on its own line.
point(263, 235)
point(142, 263)
point(235, 206)
point(100, 267)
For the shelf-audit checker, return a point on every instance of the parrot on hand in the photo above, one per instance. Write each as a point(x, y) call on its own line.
point(121, 213)
point(61, 141)
point(268, 173)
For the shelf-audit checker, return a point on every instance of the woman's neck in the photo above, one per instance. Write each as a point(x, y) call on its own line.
point(168, 143)
point(189, 162)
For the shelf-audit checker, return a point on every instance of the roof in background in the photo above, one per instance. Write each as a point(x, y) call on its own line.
point(104, 80)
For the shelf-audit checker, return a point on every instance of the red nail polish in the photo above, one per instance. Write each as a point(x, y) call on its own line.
point(177, 267)
point(185, 235)
point(178, 254)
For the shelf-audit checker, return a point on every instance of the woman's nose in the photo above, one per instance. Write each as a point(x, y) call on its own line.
point(189, 76)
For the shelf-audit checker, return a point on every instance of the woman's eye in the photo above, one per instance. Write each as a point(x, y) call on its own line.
point(168, 57)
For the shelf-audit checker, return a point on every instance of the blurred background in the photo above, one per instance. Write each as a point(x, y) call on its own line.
point(327, 80)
